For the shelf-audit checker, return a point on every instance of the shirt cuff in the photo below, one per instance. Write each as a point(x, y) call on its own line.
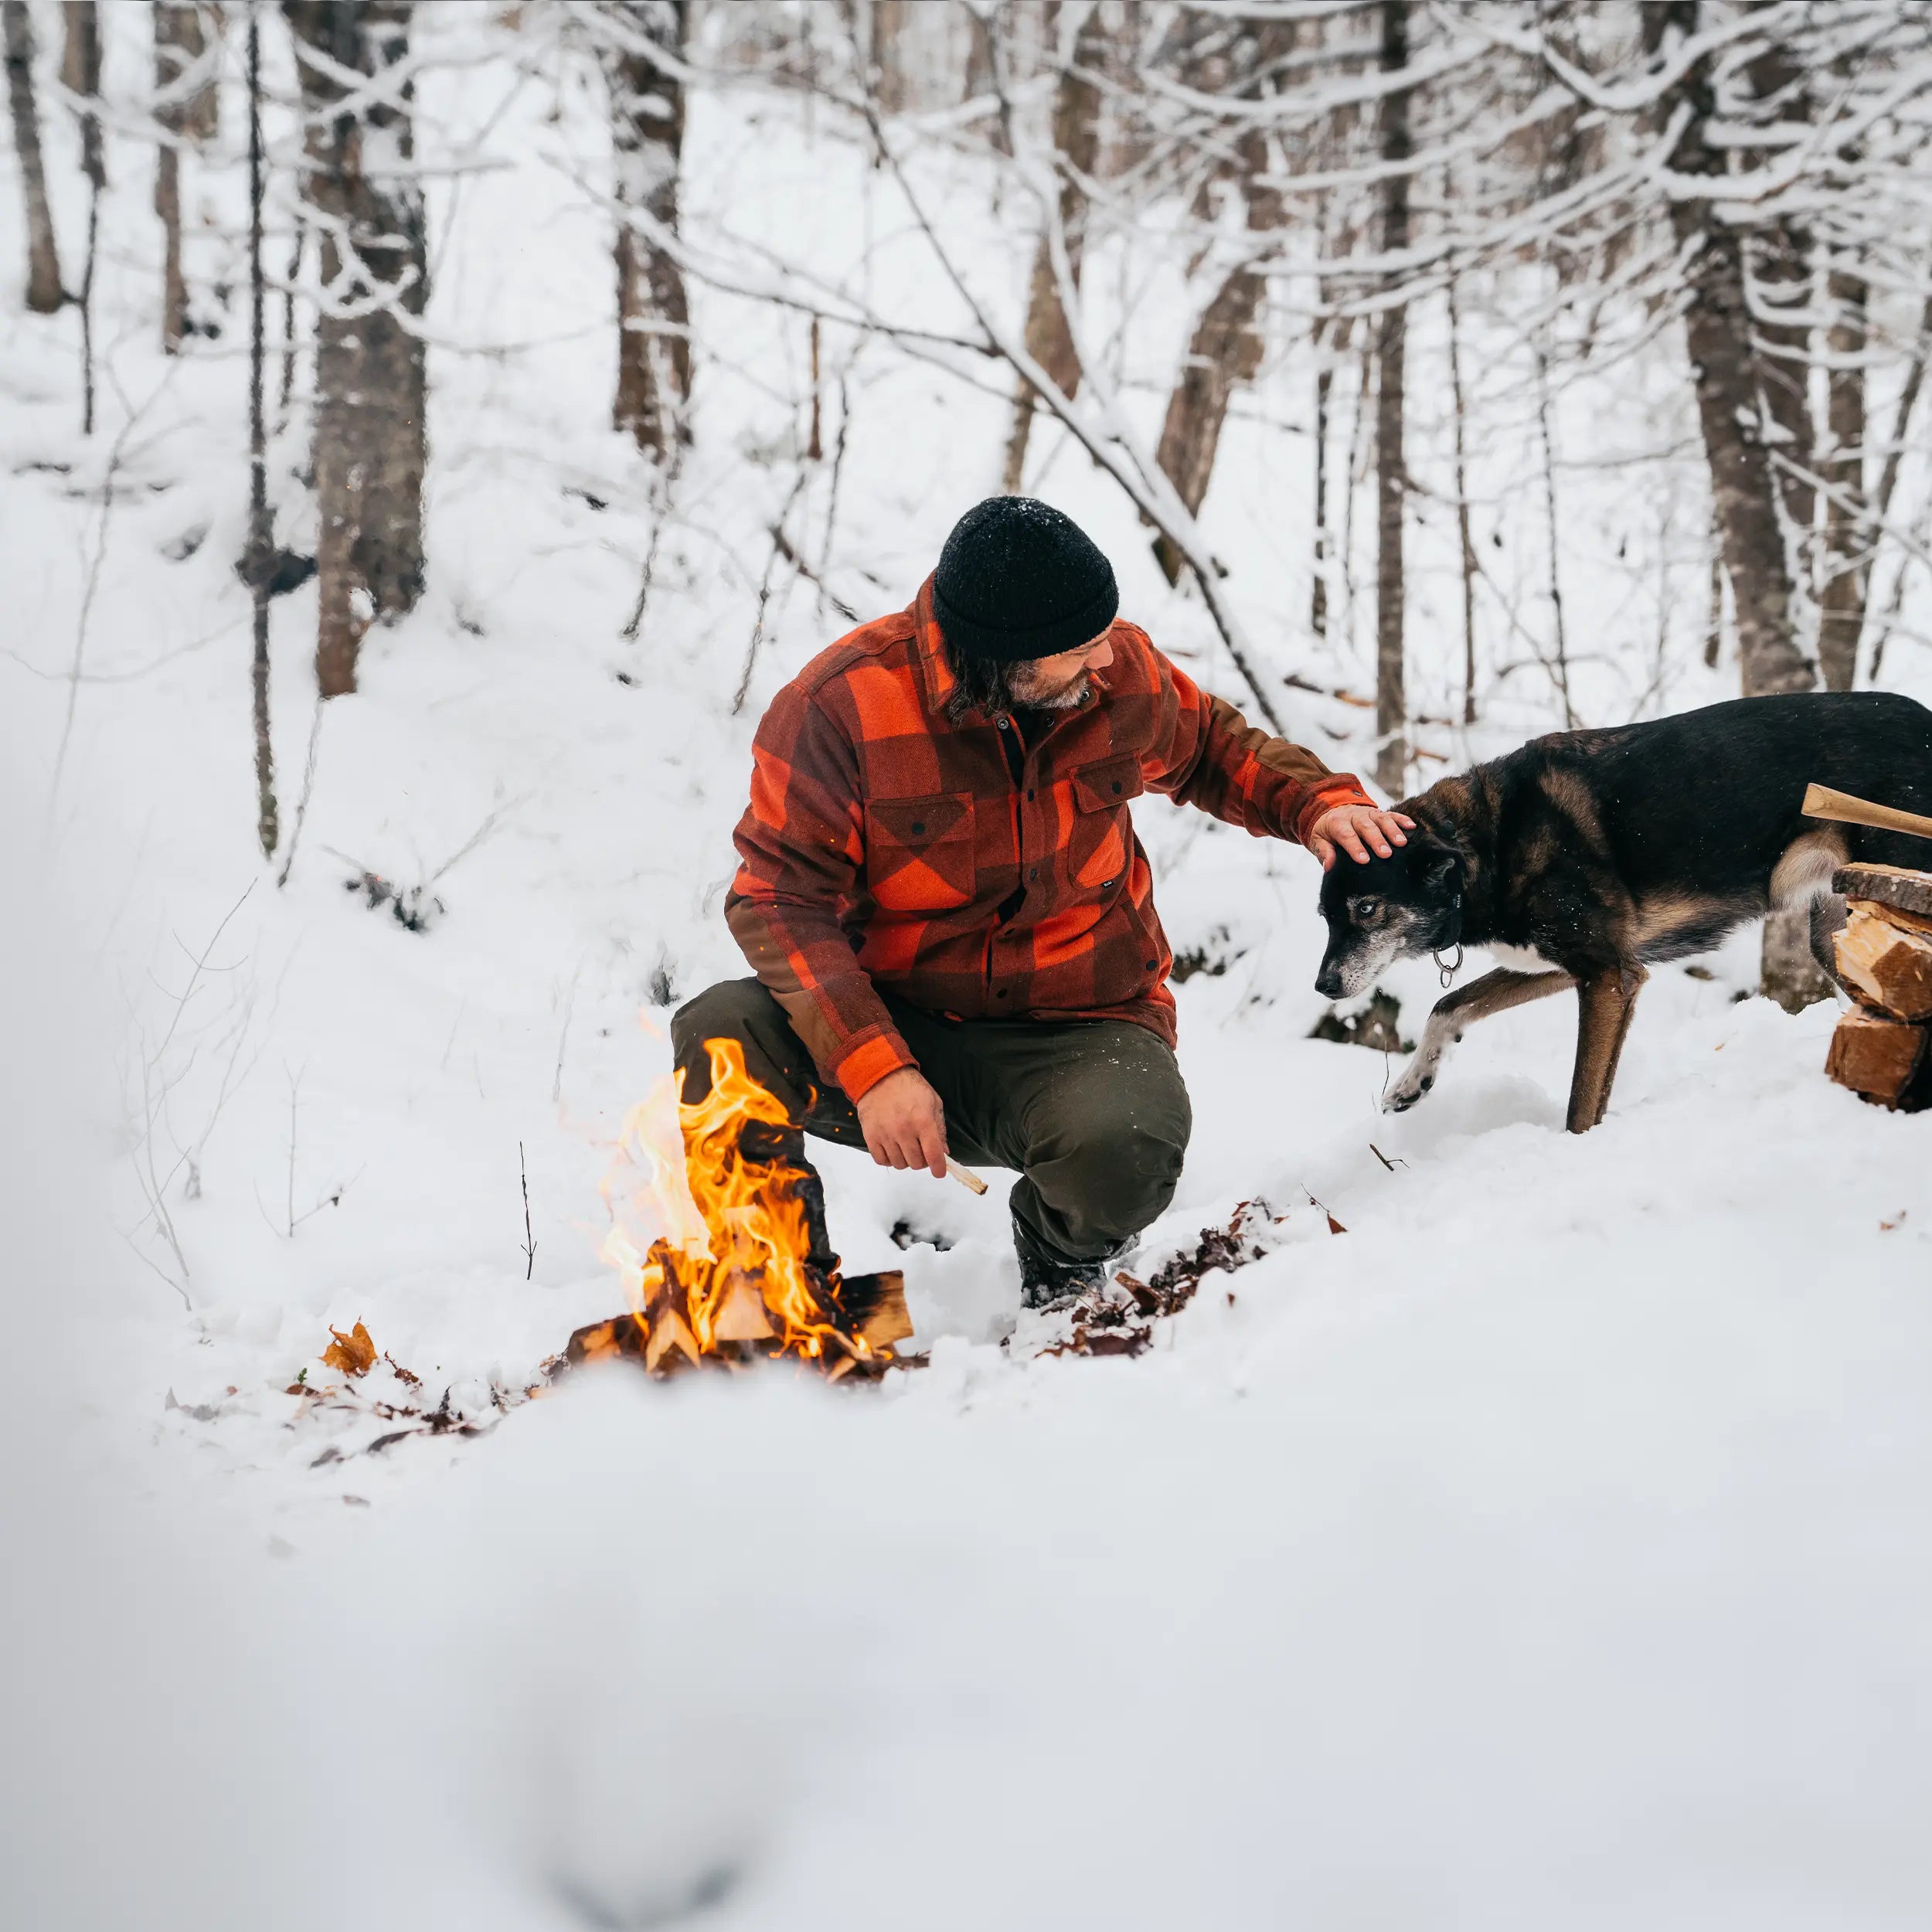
point(1339, 788)
point(862, 1070)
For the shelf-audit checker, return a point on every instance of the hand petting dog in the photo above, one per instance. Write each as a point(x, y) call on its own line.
point(1358, 830)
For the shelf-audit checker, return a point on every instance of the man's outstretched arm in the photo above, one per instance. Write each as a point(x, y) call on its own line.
point(1210, 757)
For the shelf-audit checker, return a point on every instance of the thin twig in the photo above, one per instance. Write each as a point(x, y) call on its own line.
point(529, 1239)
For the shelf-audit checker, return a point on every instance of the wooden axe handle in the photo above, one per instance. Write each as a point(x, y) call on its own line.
point(1821, 802)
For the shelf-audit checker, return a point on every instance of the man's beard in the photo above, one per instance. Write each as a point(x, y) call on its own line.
point(1069, 697)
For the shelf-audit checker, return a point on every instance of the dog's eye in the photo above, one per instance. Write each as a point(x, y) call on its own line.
point(1367, 908)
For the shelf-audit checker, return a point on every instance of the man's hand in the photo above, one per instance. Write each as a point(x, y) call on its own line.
point(1359, 830)
point(904, 1123)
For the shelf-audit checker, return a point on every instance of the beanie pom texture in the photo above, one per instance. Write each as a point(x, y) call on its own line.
point(1019, 579)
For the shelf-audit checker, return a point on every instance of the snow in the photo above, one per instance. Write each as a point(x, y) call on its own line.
point(1547, 1549)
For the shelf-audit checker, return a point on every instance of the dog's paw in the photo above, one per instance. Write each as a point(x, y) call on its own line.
point(1406, 1092)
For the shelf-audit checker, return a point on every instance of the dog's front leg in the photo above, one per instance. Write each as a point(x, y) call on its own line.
point(1494, 992)
point(1605, 1002)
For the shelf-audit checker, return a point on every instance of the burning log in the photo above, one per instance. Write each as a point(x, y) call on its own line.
point(730, 1262)
point(1883, 1049)
point(872, 1316)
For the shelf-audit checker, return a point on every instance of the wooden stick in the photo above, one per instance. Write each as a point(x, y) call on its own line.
point(1821, 802)
point(968, 1178)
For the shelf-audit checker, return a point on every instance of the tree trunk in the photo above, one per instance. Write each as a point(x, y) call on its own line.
point(1744, 489)
point(891, 84)
point(1717, 325)
point(647, 139)
point(1783, 258)
point(183, 106)
point(1076, 143)
point(261, 539)
point(44, 293)
point(1391, 760)
point(81, 60)
point(371, 386)
point(1467, 542)
point(1841, 465)
point(1225, 352)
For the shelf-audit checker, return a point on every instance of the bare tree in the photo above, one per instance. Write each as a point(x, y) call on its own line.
point(1076, 149)
point(1392, 760)
point(185, 106)
point(365, 201)
point(639, 44)
point(1842, 565)
point(80, 74)
point(1227, 345)
point(259, 562)
point(1717, 326)
point(44, 292)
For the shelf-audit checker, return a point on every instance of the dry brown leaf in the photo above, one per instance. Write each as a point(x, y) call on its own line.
point(353, 1353)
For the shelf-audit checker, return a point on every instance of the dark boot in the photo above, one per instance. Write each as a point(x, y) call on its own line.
point(1046, 1281)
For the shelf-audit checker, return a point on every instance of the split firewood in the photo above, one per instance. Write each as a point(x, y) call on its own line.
point(1884, 1059)
point(668, 1330)
point(874, 1308)
point(742, 1315)
point(1895, 887)
point(605, 1341)
point(1886, 966)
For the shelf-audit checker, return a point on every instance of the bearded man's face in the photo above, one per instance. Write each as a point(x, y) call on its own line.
point(1060, 682)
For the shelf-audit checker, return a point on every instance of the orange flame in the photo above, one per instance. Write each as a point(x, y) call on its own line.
point(711, 1243)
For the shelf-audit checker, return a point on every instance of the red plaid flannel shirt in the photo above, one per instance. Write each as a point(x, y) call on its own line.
point(885, 845)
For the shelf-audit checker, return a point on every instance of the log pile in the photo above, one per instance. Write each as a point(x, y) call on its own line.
point(1883, 1048)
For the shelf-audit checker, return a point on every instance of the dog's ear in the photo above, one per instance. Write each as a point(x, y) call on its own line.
point(1443, 866)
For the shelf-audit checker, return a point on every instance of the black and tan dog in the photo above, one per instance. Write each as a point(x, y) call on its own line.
point(1600, 853)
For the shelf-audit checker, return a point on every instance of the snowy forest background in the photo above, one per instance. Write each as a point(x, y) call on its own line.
point(430, 433)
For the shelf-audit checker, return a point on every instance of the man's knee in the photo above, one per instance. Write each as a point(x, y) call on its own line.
point(1111, 1158)
point(742, 1011)
point(732, 1009)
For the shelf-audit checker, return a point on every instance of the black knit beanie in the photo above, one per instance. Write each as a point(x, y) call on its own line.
point(1018, 579)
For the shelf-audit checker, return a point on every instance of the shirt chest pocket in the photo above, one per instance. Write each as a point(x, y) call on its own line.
point(1103, 831)
point(919, 851)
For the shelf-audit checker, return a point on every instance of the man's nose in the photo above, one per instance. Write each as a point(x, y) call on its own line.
point(1101, 656)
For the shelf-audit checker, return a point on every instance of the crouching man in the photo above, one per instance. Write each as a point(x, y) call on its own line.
point(950, 920)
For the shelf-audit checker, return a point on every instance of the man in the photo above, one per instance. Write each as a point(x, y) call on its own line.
point(951, 921)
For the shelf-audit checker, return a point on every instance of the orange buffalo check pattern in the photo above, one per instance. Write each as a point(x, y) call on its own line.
point(885, 846)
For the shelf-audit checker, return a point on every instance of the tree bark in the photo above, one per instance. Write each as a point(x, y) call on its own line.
point(1225, 352)
point(370, 448)
point(647, 139)
point(261, 539)
point(1744, 488)
point(180, 42)
point(1783, 254)
point(80, 74)
point(1843, 568)
point(1717, 325)
point(1076, 143)
point(1391, 760)
point(1467, 542)
point(44, 293)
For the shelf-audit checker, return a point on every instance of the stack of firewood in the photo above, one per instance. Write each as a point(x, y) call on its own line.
point(1883, 1048)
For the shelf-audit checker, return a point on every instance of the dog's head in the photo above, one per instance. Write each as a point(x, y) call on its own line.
point(1390, 909)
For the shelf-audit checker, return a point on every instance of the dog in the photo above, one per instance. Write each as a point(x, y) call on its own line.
point(1588, 856)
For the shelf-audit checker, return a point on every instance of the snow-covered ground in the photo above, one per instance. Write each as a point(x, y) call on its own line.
point(1545, 1549)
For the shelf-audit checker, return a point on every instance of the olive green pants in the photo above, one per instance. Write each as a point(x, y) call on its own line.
point(1092, 1114)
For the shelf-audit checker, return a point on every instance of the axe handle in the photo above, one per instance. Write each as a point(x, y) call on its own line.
point(1821, 802)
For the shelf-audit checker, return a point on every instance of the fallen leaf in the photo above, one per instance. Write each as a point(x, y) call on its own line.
point(353, 1353)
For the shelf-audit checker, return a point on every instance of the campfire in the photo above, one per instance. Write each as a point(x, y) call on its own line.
point(710, 1231)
